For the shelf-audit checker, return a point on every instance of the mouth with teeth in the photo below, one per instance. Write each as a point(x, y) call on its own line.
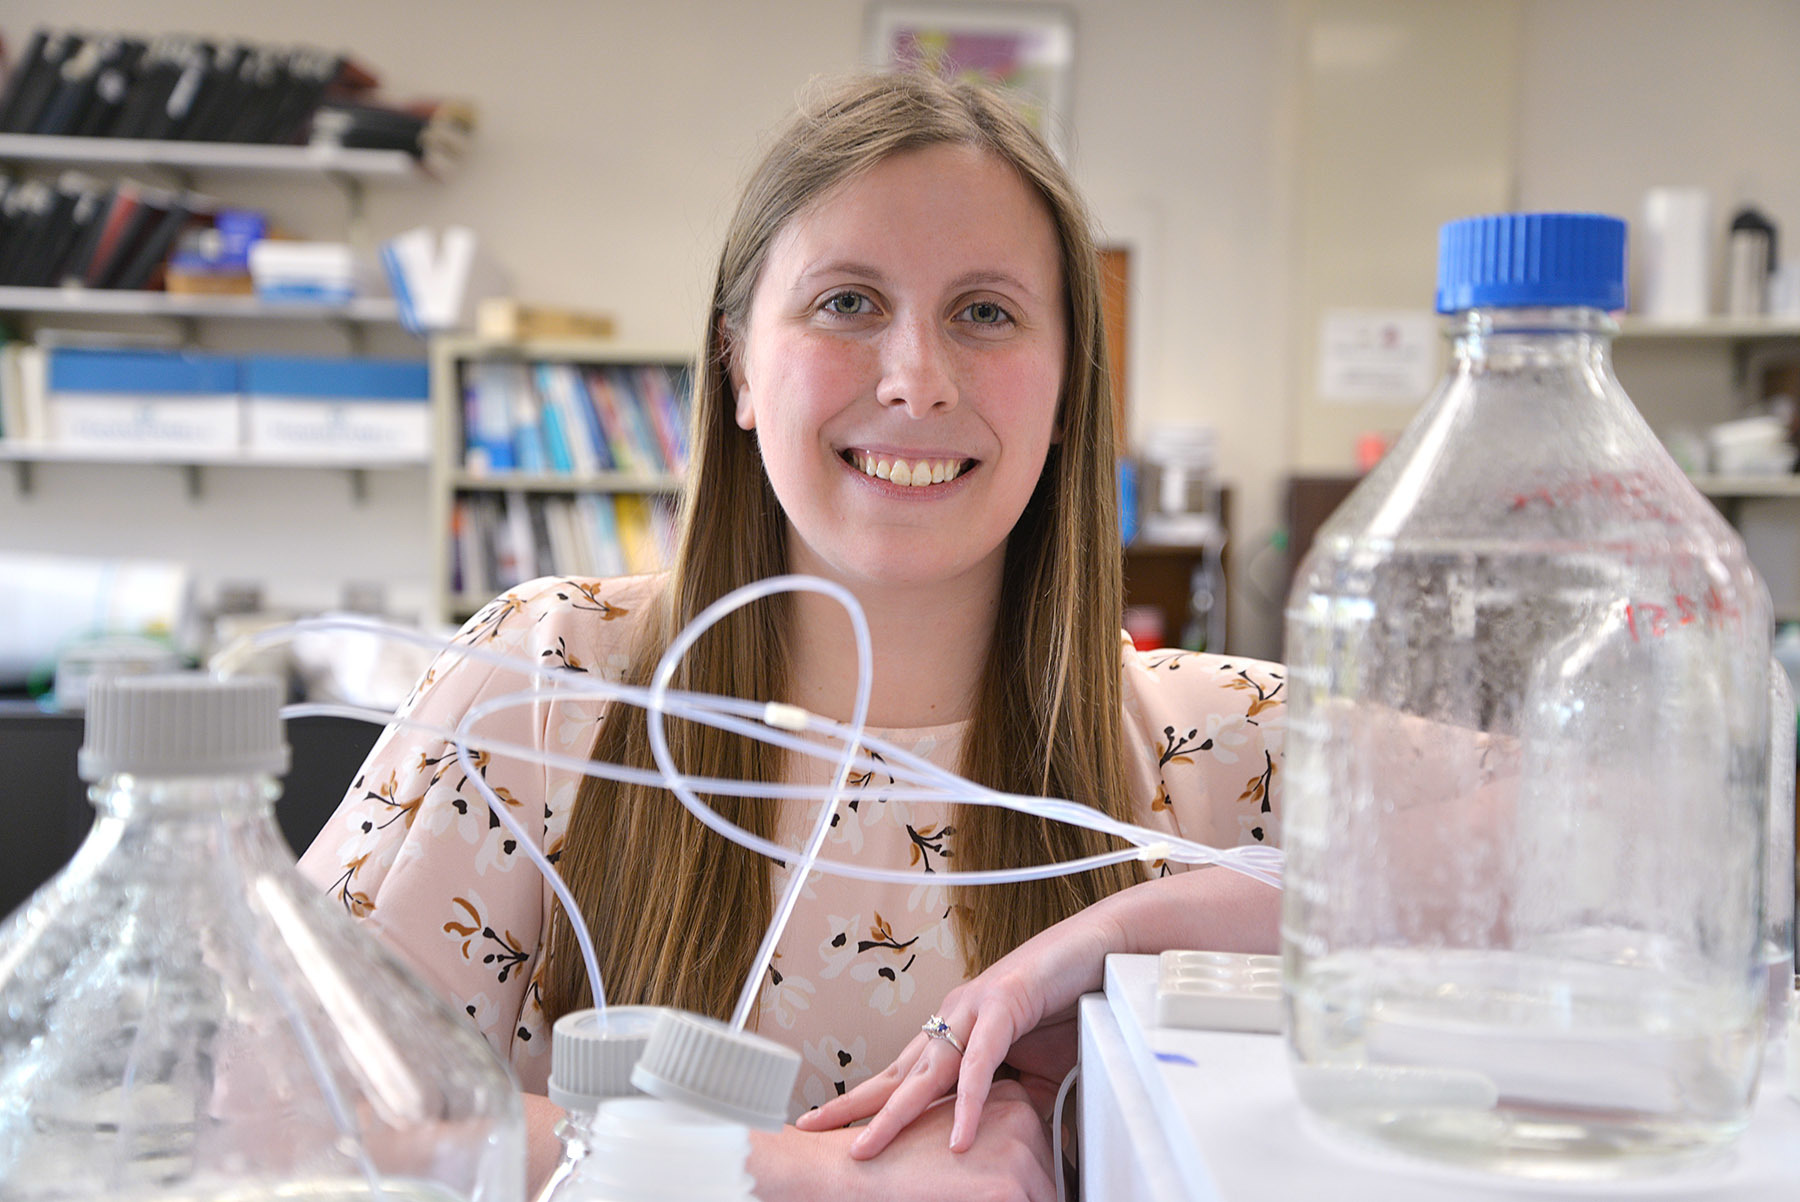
point(908, 473)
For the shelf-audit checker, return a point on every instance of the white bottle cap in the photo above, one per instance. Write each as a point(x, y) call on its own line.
point(592, 1053)
point(187, 724)
point(711, 1067)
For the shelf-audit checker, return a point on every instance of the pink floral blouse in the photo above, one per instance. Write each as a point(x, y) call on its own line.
point(414, 854)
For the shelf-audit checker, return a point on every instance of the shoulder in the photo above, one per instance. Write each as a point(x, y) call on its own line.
point(1206, 733)
point(574, 622)
point(1156, 682)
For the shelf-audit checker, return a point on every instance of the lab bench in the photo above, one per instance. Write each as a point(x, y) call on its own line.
point(1211, 1116)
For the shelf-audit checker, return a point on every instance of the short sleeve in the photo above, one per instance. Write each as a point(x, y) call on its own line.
point(414, 852)
point(1204, 737)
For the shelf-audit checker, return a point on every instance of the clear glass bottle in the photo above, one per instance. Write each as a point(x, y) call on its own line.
point(1527, 757)
point(183, 1016)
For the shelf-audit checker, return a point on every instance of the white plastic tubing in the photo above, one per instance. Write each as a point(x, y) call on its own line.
point(775, 723)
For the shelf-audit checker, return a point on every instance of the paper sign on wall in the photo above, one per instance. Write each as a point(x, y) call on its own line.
point(1376, 355)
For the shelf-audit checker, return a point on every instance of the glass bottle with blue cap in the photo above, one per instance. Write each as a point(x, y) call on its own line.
point(1527, 757)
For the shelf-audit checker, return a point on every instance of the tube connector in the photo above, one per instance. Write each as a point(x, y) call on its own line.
point(783, 716)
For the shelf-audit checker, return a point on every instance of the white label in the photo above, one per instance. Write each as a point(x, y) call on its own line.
point(1376, 355)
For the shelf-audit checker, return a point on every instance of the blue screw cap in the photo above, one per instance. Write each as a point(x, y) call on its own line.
point(1532, 260)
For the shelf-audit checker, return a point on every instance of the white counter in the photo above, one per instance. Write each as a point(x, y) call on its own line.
point(1169, 1114)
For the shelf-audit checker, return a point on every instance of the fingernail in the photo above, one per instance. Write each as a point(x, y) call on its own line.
point(956, 1133)
point(860, 1142)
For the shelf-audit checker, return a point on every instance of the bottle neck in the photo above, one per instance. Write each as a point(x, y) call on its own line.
point(130, 797)
point(1540, 337)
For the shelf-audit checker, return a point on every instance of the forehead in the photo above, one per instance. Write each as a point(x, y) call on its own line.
point(953, 201)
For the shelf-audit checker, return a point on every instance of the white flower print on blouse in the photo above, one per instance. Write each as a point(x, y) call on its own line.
point(835, 1068)
point(785, 996)
point(1224, 732)
point(838, 949)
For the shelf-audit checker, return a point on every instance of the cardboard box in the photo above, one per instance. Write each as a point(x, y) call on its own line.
point(142, 401)
point(330, 409)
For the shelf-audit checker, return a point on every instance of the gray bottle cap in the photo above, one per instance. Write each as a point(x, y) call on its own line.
point(186, 724)
point(592, 1054)
point(734, 1075)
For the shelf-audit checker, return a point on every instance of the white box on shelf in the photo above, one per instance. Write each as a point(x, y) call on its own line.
point(326, 273)
point(141, 401)
point(330, 409)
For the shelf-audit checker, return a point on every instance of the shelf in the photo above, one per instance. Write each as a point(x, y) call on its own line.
point(556, 350)
point(602, 482)
point(1727, 329)
point(210, 156)
point(53, 453)
point(138, 303)
point(1748, 486)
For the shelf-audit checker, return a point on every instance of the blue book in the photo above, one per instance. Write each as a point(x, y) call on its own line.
point(583, 404)
point(529, 454)
point(556, 439)
point(489, 430)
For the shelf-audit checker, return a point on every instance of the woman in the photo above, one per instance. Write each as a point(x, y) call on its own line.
point(902, 389)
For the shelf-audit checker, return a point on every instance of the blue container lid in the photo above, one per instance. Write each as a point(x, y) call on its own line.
point(82, 370)
point(337, 378)
point(1532, 260)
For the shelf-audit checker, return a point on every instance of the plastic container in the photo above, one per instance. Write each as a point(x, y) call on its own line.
point(183, 1016)
point(1778, 880)
point(689, 1141)
point(1527, 757)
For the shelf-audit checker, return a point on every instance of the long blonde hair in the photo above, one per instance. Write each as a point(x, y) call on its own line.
point(677, 911)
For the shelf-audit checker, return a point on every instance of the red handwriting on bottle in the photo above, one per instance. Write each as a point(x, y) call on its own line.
point(1648, 619)
point(1637, 493)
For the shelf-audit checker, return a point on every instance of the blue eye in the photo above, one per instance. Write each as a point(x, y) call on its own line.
point(847, 304)
point(987, 313)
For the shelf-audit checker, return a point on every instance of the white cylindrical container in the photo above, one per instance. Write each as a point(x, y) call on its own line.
point(1674, 268)
point(649, 1150)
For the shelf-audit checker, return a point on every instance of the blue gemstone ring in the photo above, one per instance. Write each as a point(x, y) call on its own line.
point(937, 1028)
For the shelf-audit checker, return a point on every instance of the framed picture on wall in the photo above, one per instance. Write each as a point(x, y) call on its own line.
point(1027, 49)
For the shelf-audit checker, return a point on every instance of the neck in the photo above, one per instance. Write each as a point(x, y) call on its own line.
point(930, 644)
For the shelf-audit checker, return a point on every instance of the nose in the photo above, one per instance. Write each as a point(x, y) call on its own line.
point(916, 368)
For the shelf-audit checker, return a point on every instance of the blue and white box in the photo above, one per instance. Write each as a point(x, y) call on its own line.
point(142, 401)
point(335, 409)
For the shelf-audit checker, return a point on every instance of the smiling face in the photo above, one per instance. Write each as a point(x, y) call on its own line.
point(902, 365)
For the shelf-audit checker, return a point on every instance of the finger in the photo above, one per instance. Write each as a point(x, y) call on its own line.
point(931, 1078)
point(988, 1044)
point(865, 1098)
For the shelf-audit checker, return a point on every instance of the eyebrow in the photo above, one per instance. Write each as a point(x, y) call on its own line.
point(863, 271)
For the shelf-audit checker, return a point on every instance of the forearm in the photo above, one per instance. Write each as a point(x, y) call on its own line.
point(543, 1148)
point(1211, 909)
point(1208, 909)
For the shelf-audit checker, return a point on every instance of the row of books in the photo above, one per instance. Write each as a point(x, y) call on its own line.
point(79, 231)
point(173, 87)
point(571, 419)
point(502, 539)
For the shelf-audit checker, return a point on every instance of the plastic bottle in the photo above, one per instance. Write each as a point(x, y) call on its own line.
point(686, 1136)
point(1778, 880)
point(183, 1016)
point(1527, 757)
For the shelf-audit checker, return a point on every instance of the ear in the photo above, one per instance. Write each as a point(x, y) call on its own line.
point(744, 412)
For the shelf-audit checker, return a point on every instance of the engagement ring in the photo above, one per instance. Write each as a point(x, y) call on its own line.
point(937, 1028)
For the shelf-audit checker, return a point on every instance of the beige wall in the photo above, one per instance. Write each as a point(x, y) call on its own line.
point(1267, 159)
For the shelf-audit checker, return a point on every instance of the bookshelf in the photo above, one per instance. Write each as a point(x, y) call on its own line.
point(348, 169)
point(143, 303)
point(514, 495)
point(243, 158)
